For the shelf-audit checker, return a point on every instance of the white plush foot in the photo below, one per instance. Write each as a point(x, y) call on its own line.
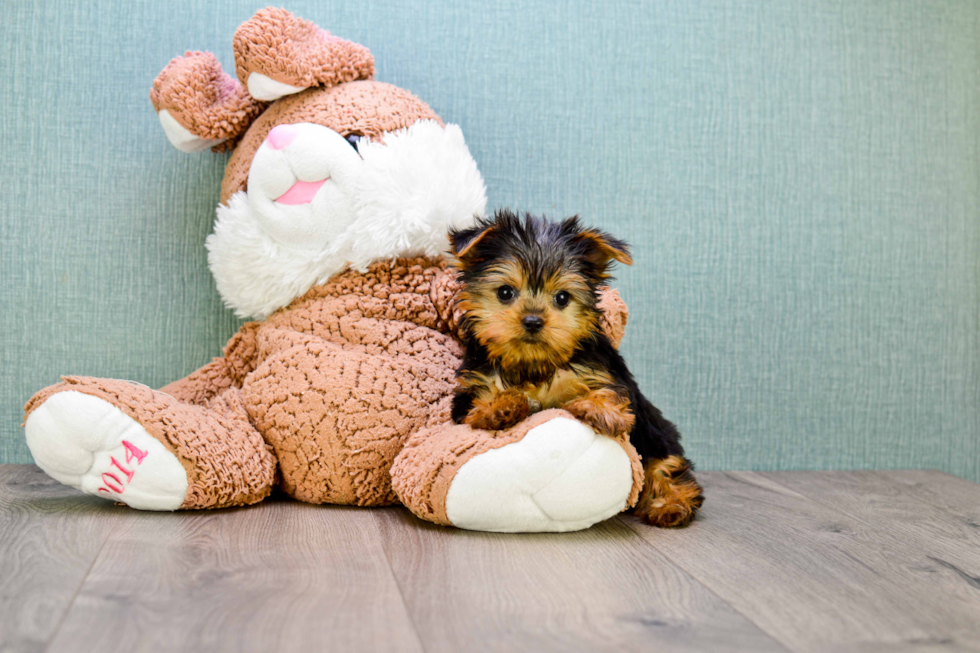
point(264, 88)
point(91, 445)
point(560, 477)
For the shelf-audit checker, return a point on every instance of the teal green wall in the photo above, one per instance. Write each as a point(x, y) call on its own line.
point(800, 181)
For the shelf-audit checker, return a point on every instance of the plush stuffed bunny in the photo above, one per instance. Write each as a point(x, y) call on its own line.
point(331, 230)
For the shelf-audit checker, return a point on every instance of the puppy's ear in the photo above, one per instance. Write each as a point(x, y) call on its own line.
point(462, 241)
point(603, 248)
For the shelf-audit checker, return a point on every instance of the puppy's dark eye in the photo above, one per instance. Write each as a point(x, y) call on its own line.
point(352, 139)
point(562, 298)
point(506, 293)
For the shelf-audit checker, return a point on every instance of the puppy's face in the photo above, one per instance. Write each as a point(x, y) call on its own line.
point(529, 287)
point(527, 319)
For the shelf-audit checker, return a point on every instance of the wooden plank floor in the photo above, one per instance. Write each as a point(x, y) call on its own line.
point(782, 561)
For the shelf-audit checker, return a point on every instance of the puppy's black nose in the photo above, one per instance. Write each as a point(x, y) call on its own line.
point(532, 323)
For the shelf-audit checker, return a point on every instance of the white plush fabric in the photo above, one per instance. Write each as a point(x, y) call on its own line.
point(560, 477)
point(78, 440)
point(314, 154)
point(266, 89)
point(416, 186)
point(396, 199)
point(181, 138)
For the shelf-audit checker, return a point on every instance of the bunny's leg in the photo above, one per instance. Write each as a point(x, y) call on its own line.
point(142, 447)
point(550, 473)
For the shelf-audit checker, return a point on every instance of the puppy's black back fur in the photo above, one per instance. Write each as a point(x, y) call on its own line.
point(654, 436)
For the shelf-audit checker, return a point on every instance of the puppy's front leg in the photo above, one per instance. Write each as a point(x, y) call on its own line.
point(499, 410)
point(605, 410)
point(482, 404)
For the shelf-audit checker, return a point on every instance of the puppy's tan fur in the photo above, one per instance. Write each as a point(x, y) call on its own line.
point(533, 341)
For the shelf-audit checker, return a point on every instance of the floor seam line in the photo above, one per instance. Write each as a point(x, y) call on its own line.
point(871, 526)
point(708, 588)
point(71, 603)
point(394, 579)
point(948, 510)
point(711, 591)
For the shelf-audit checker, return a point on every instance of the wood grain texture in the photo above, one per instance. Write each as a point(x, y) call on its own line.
point(934, 537)
point(782, 561)
point(936, 551)
point(277, 576)
point(50, 535)
point(815, 577)
point(950, 493)
point(602, 589)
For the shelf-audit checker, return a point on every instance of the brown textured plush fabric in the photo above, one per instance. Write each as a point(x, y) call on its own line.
point(365, 108)
point(221, 373)
point(614, 315)
point(226, 460)
point(330, 388)
point(637, 466)
point(204, 99)
point(211, 104)
point(294, 51)
point(346, 373)
point(425, 469)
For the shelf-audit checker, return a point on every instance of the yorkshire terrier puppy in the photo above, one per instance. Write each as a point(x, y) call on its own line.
point(533, 341)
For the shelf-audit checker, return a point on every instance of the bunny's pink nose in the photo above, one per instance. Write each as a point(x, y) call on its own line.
point(281, 136)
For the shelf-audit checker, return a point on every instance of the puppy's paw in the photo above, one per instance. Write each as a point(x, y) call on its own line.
point(671, 495)
point(604, 410)
point(503, 410)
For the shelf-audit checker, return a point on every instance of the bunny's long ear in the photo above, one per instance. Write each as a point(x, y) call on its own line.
point(277, 53)
point(200, 106)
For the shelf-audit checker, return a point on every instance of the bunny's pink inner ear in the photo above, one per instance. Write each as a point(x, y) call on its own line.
point(201, 106)
point(278, 54)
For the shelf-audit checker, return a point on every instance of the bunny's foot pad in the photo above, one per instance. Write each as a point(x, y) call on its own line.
point(561, 476)
point(551, 473)
point(87, 443)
